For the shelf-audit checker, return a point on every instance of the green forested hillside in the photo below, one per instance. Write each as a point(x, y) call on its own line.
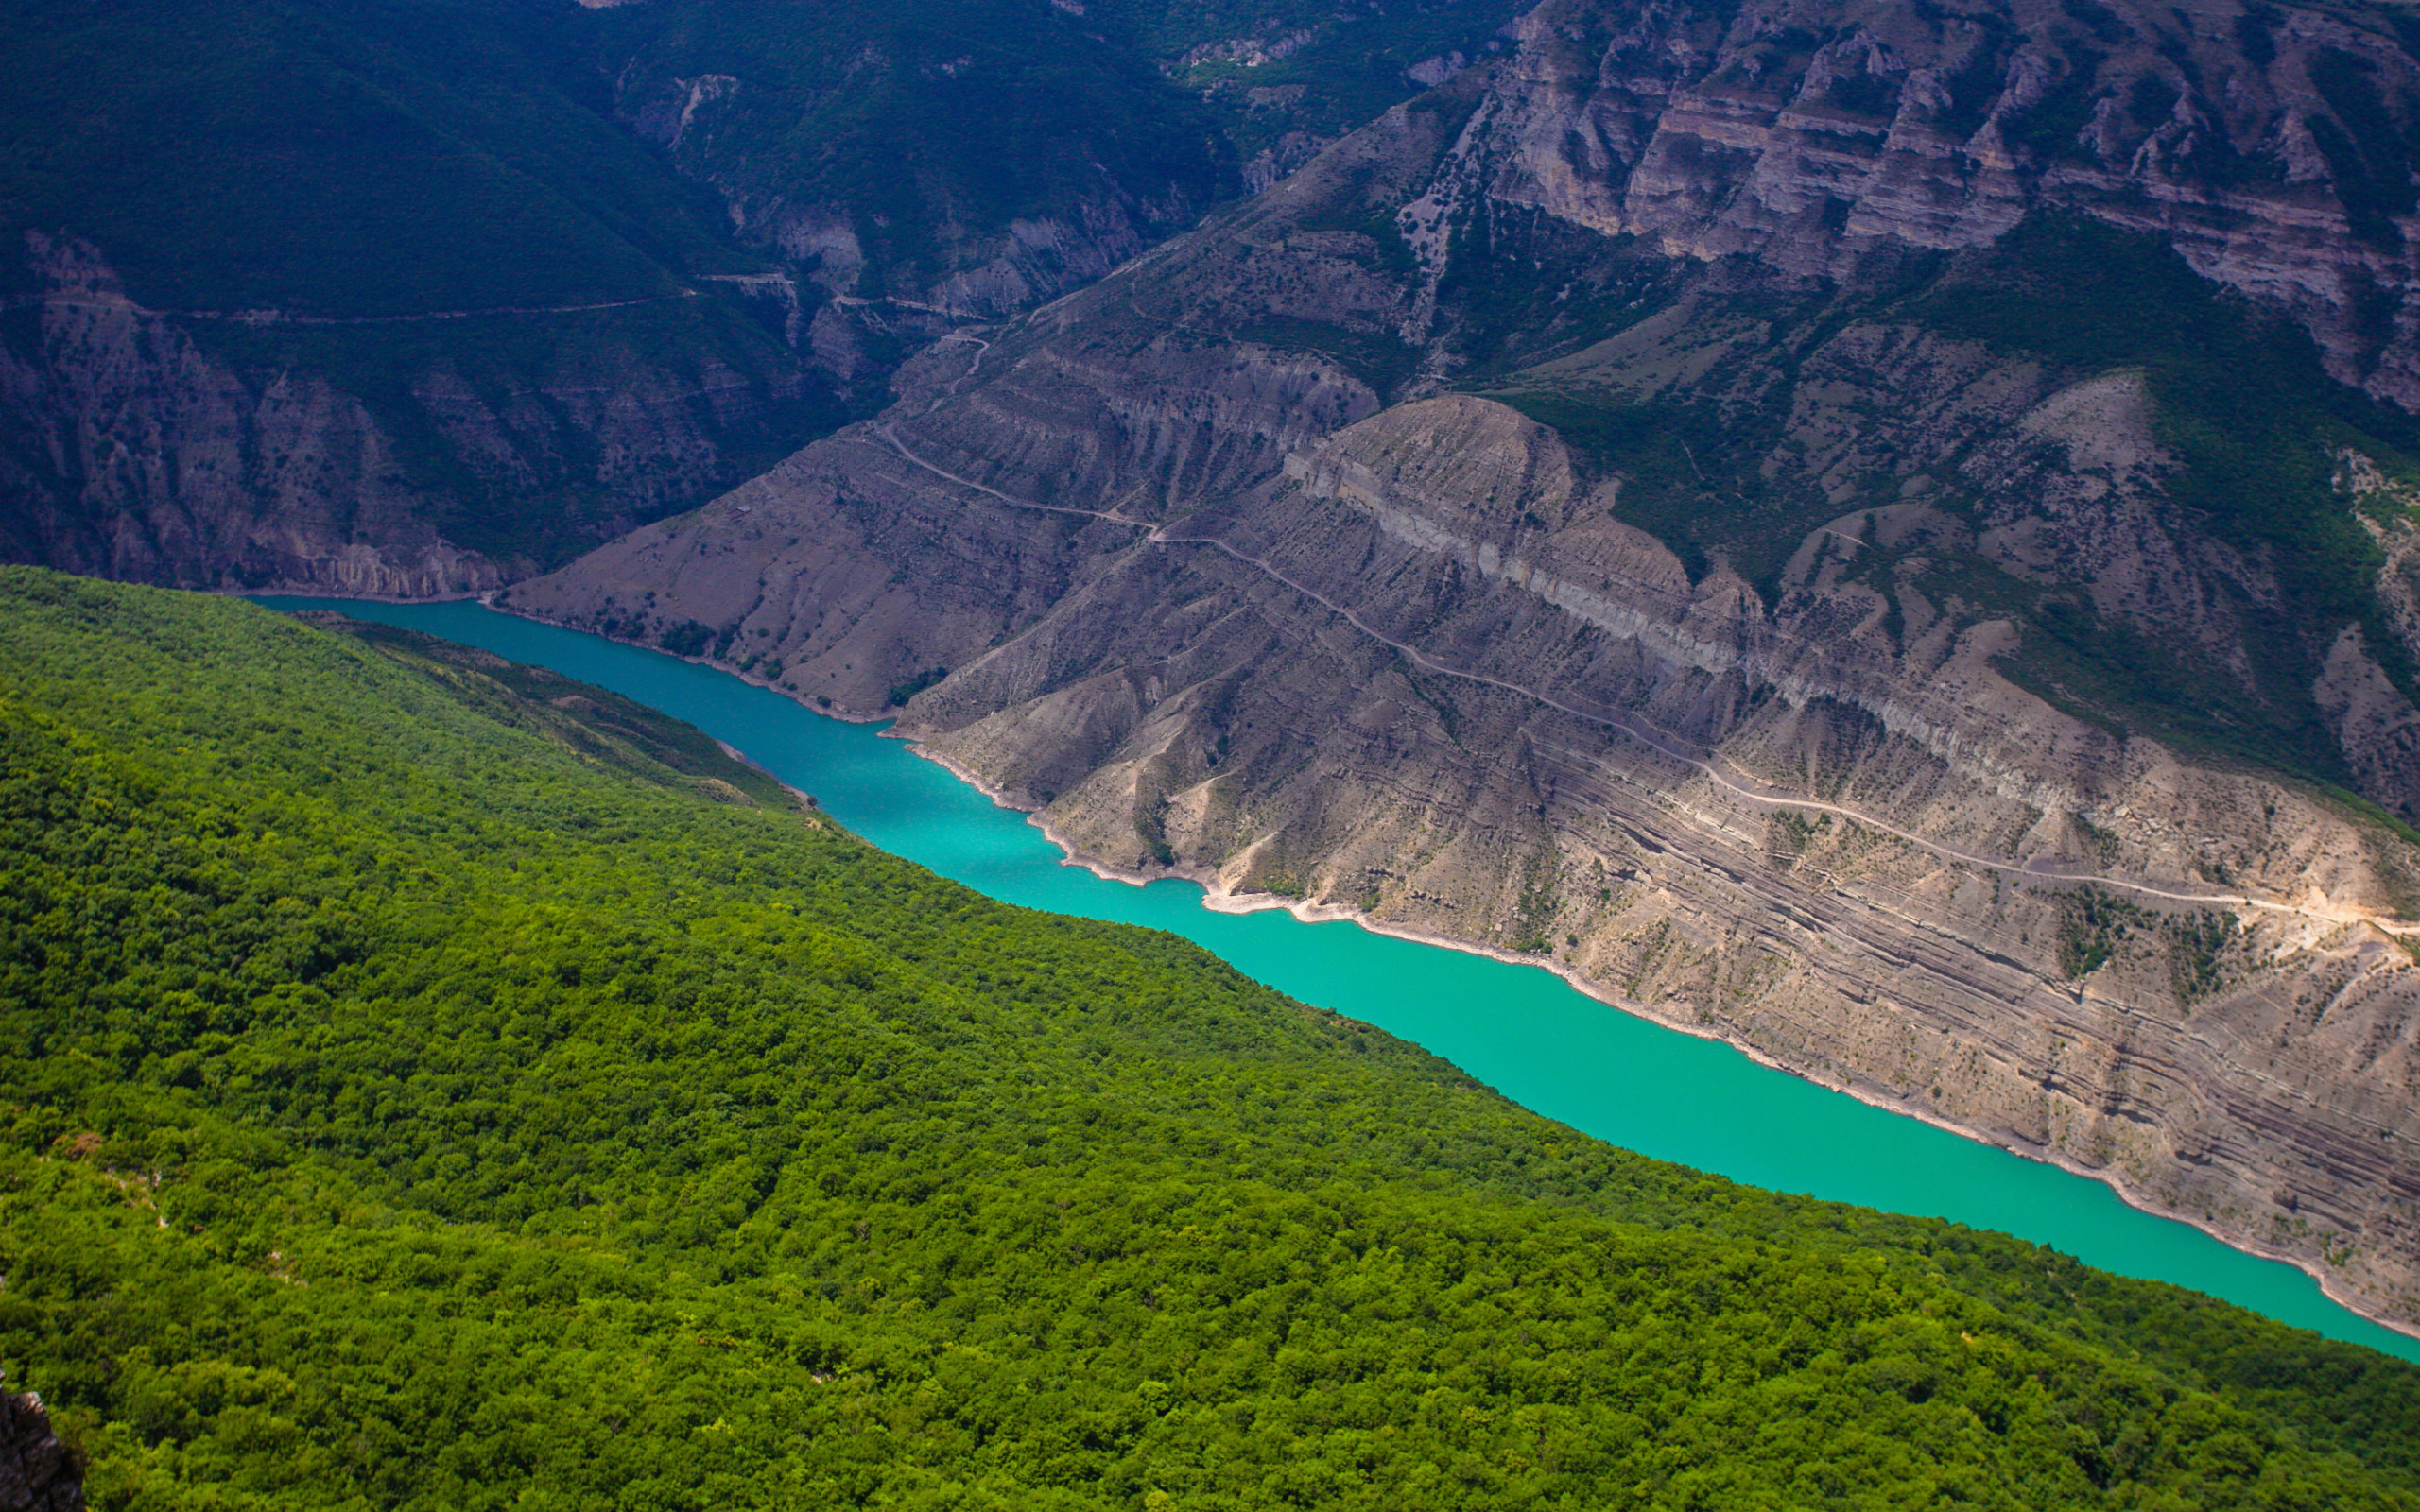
point(428, 1083)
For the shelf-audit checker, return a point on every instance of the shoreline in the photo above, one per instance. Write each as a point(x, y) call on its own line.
point(1220, 899)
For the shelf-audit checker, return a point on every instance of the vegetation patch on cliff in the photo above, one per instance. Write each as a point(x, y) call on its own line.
point(2240, 400)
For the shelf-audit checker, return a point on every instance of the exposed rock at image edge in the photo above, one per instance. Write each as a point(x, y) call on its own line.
point(36, 1473)
point(138, 451)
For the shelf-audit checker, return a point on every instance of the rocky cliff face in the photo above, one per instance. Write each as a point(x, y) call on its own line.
point(1935, 650)
point(159, 447)
point(36, 1475)
point(2266, 144)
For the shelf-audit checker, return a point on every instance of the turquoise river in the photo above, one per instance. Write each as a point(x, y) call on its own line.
point(1521, 1029)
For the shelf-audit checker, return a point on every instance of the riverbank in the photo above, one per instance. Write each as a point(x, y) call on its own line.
point(1685, 1097)
point(1219, 897)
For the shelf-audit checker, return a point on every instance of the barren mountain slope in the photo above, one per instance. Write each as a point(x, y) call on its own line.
point(1833, 524)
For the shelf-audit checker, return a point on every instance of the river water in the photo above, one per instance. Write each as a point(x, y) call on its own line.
point(1520, 1029)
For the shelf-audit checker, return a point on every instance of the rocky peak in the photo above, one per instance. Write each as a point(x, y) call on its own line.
point(1477, 466)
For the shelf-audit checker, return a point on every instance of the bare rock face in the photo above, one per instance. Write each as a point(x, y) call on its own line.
point(140, 457)
point(1807, 133)
point(1745, 613)
point(36, 1473)
point(141, 447)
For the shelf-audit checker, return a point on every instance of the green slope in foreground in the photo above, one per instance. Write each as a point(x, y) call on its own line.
point(426, 1082)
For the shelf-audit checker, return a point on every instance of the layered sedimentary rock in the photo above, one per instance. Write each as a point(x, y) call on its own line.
point(2265, 143)
point(1847, 669)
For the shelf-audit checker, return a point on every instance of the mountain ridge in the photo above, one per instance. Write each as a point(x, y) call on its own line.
point(607, 262)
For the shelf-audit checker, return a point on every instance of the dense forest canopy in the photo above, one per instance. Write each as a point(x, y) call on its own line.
point(428, 1082)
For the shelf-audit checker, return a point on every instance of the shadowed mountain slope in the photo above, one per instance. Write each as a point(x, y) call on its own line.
point(419, 296)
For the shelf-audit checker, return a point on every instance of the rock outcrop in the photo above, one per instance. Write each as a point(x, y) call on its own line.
point(2265, 143)
point(1546, 523)
point(36, 1473)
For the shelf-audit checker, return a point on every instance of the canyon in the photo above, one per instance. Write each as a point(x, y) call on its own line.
point(1881, 535)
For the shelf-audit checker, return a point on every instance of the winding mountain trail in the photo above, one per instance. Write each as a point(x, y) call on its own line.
point(950, 392)
point(266, 318)
point(1662, 743)
point(890, 433)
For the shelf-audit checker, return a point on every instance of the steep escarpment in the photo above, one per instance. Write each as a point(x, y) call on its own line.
point(2268, 144)
point(1963, 656)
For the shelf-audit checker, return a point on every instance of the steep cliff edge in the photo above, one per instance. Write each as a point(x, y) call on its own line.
point(1589, 514)
point(214, 452)
point(2270, 146)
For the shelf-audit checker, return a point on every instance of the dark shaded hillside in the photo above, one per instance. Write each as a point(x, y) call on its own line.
point(390, 159)
point(368, 295)
point(429, 1083)
point(419, 296)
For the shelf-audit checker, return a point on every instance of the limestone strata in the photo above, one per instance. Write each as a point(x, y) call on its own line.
point(1807, 133)
point(2271, 1104)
